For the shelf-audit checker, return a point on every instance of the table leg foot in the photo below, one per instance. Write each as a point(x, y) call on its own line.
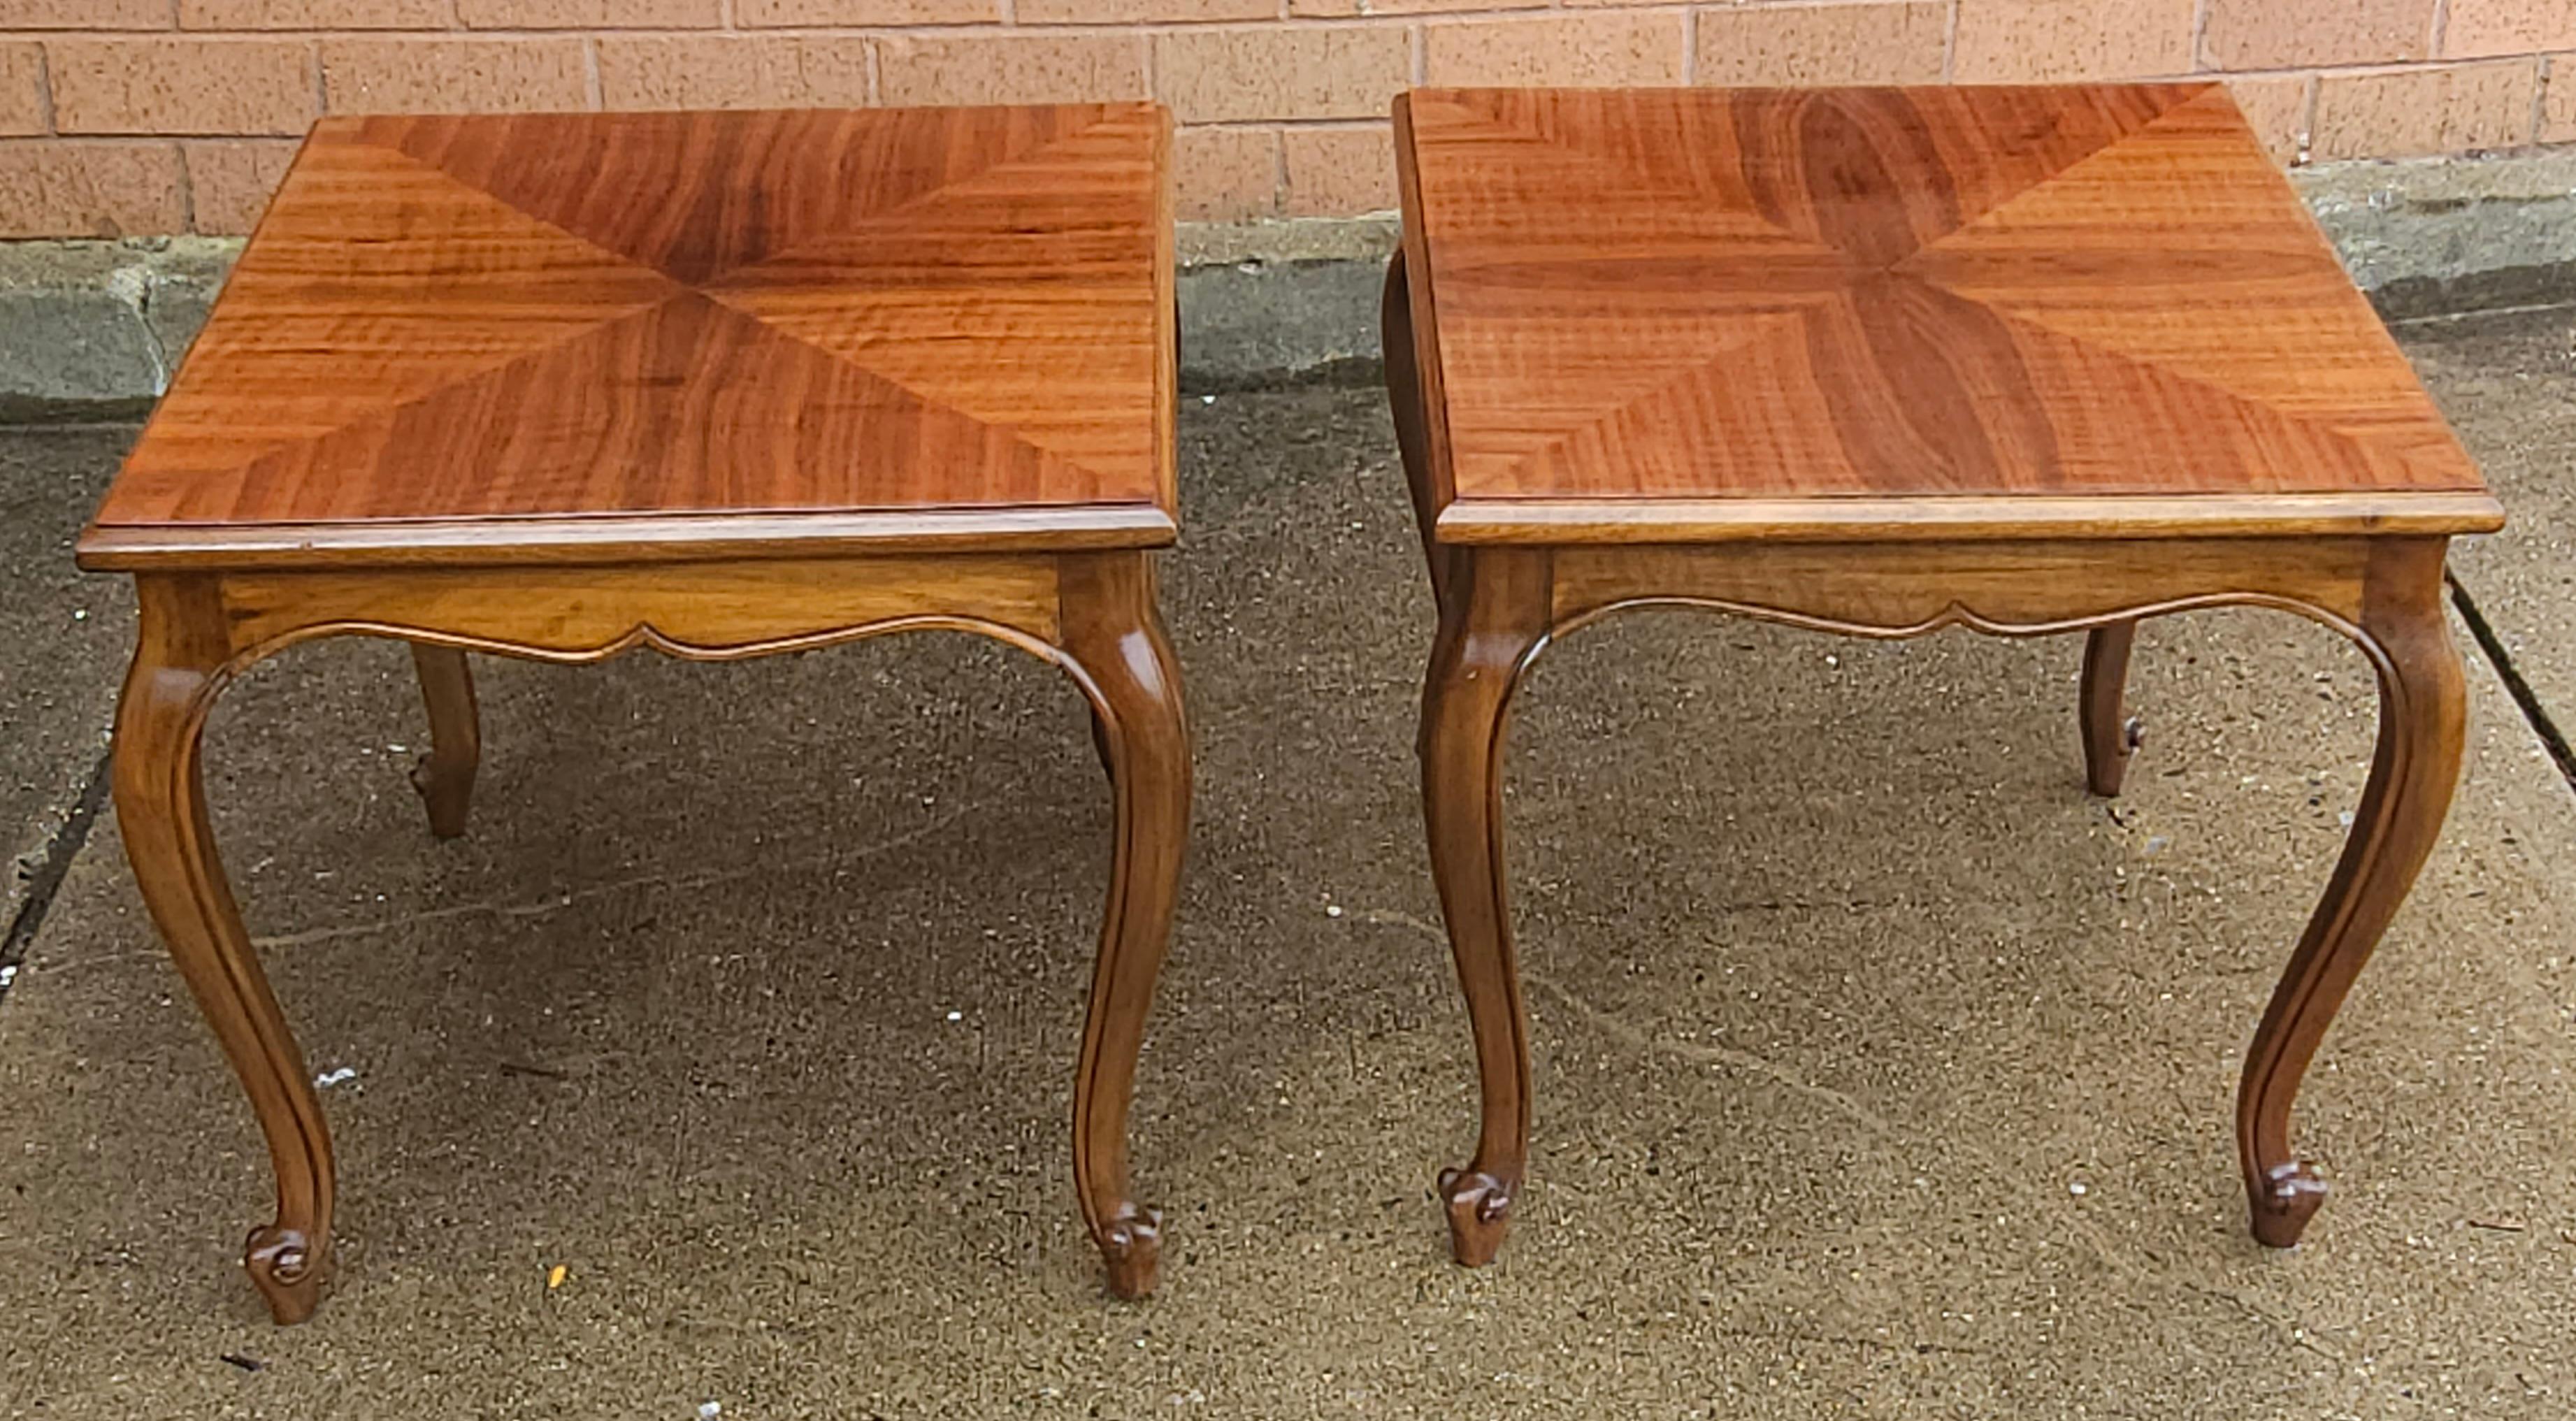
point(2109, 738)
point(1132, 1247)
point(445, 776)
point(1480, 1212)
point(2422, 728)
point(286, 1267)
point(2283, 1202)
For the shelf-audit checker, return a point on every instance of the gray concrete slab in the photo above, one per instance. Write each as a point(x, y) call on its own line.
point(64, 637)
point(2508, 385)
point(1879, 1070)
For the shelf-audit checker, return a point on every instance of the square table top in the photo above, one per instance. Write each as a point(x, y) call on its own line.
point(618, 336)
point(2096, 310)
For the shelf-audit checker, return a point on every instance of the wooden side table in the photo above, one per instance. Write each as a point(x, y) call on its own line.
point(558, 386)
point(1883, 361)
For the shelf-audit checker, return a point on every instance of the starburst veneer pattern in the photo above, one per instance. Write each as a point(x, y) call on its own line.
point(800, 325)
point(1839, 298)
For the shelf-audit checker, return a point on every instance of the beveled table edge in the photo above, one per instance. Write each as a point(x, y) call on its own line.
point(1534, 521)
point(620, 538)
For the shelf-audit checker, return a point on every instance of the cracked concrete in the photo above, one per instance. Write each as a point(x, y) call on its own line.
point(1879, 1070)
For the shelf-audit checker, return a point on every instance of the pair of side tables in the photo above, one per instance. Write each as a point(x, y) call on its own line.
point(1875, 361)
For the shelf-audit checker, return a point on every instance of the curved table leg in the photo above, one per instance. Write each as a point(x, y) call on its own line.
point(1494, 620)
point(2109, 738)
point(1114, 636)
point(179, 666)
point(445, 776)
point(2422, 724)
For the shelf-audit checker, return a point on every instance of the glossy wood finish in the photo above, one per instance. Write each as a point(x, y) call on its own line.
point(604, 336)
point(981, 267)
point(1879, 362)
point(1801, 312)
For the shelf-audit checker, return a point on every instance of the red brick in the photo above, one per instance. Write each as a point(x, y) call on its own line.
point(2448, 108)
point(2482, 27)
point(194, 85)
point(313, 14)
point(410, 75)
point(2283, 34)
point(726, 71)
point(2026, 41)
point(91, 188)
point(1597, 48)
point(1898, 43)
point(1225, 174)
point(1010, 69)
point(1338, 172)
point(1309, 71)
point(84, 14)
point(590, 14)
point(1129, 12)
point(756, 13)
point(230, 180)
point(22, 88)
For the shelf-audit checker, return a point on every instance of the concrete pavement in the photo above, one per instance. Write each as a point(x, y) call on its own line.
point(1879, 1070)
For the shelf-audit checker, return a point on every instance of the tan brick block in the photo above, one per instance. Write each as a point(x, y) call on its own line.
point(1010, 69)
point(1606, 48)
point(454, 75)
point(753, 14)
point(194, 85)
point(2558, 101)
point(84, 14)
point(230, 180)
point(313, 14)
point(2283, 34)
point(1824, 44)
point(1225, 174)
point(1310, 71)
point(2407, 113)
point(91, 188)
point(2009, 41)
point(1338, 172)
point(590, 14)
point(1347, 9)
point(22, 88)
point(1133, 12)
point(2484, 27)
point(732, 72)
point(2277, 110)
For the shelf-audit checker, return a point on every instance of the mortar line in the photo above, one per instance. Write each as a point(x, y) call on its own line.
point(56, 863)
point(2524, 697)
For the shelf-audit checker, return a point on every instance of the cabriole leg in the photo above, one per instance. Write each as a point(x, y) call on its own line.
point(180, 664)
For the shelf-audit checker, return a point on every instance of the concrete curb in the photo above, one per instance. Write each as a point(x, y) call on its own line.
point(92, 330)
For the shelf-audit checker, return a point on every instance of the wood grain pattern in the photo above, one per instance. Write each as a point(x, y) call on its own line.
point(1761, 304)
point(830, 322)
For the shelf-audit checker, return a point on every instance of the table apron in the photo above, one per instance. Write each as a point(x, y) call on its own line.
point(2012, 588)
point(701, 611)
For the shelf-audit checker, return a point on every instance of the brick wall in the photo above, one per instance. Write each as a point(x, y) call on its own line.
point(156, 116)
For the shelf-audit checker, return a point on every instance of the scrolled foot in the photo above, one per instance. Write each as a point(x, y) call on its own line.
point(2283, 1202)
point(287, 1269)
point(1480, 1210)
point(1132, 1247)
point(446, 792)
